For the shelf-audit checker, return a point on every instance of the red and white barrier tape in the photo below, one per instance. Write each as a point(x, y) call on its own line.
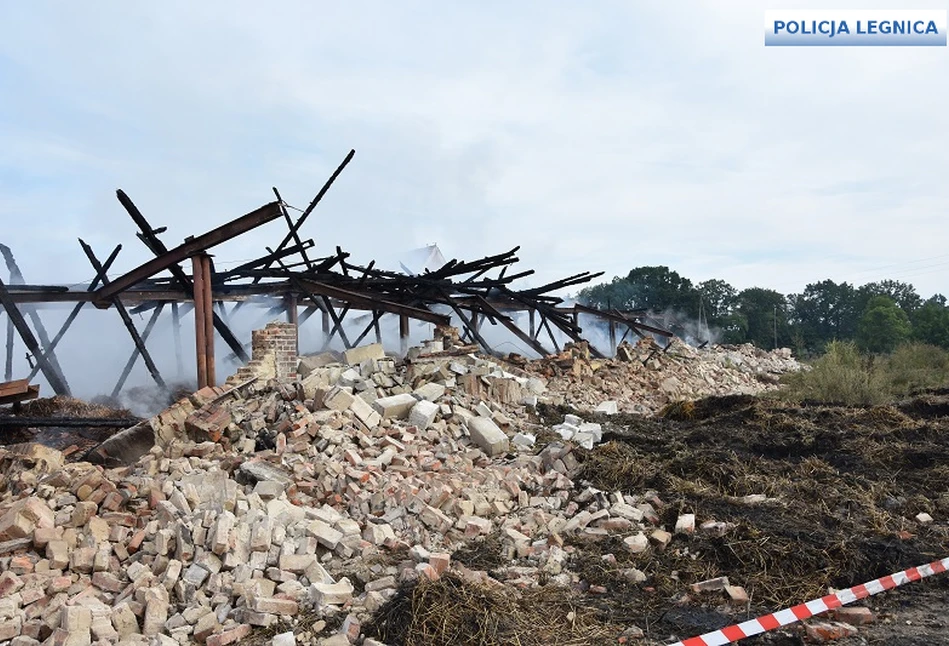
point(815, 607)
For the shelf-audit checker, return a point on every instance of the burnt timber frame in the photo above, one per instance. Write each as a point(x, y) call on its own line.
point(470, 293)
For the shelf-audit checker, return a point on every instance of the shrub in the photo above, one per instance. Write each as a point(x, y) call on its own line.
point(843, 376)
point(915, 366)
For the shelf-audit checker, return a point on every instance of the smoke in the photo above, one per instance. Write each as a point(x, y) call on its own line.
point(691, 331)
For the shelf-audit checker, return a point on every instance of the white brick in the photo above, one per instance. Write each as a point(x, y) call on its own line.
point(486, 434)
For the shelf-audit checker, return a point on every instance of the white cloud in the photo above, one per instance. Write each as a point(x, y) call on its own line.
point(598, 137)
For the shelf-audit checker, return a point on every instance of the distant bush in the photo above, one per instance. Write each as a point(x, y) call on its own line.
point(915, 366)
point(843, 376)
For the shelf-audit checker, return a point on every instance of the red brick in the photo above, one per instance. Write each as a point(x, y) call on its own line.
point(854, 615)
point(229, 636)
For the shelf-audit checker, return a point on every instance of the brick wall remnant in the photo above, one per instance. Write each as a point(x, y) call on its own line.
point(273, 352)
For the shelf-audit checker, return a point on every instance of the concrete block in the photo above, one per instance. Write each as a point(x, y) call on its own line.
point(324, 534)
point(395, 406)
point(331, 594)
point(338, 398)
point(364, 413)
point(430, 392)
point(486, 434)
point(423, 414)
point(607, 408)
point(355, 356)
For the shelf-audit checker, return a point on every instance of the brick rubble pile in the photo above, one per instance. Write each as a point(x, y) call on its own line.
point(317, 494)
point(644, 377)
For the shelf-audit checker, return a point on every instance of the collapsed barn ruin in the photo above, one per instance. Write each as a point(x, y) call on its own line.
point(291, 282)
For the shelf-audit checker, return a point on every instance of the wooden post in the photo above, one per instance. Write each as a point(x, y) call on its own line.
point(530, 315)
point(403, 334)
point(209, 320)
point(375, 323)
point(612, 337)
point(8, 371)
point(176, 330)
point(197, 273)
point(325, 317)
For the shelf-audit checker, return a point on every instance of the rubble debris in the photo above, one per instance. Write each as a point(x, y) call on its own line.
point(641, 379)
point(323, 503)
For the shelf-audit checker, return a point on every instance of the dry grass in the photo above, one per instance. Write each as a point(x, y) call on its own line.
point(458, 612)
point(846, 482)
point(60, 406)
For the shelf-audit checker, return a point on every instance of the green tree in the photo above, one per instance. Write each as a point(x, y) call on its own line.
point(883, 326)
point(659, 289)
point(618, 294)
point(903, 294)
point(717, 301)
point(931, 323)
point(645, 288)
point(824, 312)
point(763, 313)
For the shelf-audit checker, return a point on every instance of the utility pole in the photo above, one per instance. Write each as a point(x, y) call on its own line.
point(775, 327)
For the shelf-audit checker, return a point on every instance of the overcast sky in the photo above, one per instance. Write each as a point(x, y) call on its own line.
point(598, 136)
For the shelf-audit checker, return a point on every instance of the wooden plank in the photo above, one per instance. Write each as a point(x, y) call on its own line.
point(15, 387)
point(31, 392)
point(225, 232)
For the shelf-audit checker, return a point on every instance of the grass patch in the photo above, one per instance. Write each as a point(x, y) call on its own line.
point(844, 376)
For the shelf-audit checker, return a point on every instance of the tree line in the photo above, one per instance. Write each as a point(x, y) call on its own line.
point(878, 316)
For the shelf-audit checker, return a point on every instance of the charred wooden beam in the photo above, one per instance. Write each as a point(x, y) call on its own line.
point(223, 233)
point(59, 385)
point(372, 325)
point(369, 302)
point(14, 392)
point(126, 319)
point(249, 267)
point(16, 276)
point(403, 334)
point(316, 200)
point(620, 317)
point(518, 332)
point(75, 310)
point(293, 231)
point(17, 421)
point(150, 237)
point(8, 363)
point(127, 370)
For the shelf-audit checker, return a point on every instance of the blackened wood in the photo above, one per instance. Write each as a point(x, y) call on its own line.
point(126, 319)
point(75, 310)
point(203, 242)
point(127, 370)
point(52, 376)
point(16, 276)
point(157, 247)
